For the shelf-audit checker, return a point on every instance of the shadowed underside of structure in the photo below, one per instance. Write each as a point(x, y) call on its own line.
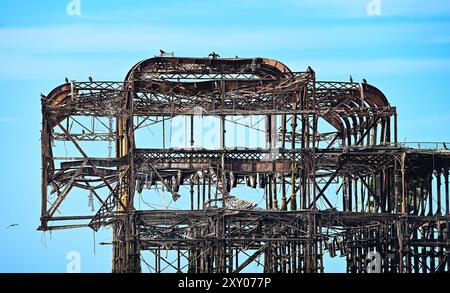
point(334, 178)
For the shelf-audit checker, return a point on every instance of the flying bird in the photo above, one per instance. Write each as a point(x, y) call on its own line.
point(12, 225)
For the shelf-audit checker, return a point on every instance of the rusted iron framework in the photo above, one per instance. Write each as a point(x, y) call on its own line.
point(389, 200)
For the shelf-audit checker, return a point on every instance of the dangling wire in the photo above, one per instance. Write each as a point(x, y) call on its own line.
point(163, 198)
point(44, 239)
point(93, 233)
point(110, 120)
point(65, 148)
point(91, 200)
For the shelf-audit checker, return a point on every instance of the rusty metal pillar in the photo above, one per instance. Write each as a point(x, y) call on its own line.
point(126, 251)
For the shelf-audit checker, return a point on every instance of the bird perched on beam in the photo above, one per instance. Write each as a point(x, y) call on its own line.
point(214, 55)
point(67, 80)
point(90, 78)
point(351, 79)
point(161, 52)
point(364, 80)
point(310, 69)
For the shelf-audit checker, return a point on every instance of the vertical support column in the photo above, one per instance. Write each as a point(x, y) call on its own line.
point(313, 168)
point(438, 191)
point(192, 131)
point(45, 152)
point(293, 204)
point(430, 194)
point(126, 251)
point(345, 193)
point(388, 137)
point(447, 198)
point(222, 164)
point(395, 127)
point(397, 183)
point(404, 186)
point(283, 180)
point(191, 192)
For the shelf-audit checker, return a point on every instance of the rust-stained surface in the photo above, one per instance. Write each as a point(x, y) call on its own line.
point(349, 191)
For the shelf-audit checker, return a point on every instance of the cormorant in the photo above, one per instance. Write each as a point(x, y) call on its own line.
point(214, 55)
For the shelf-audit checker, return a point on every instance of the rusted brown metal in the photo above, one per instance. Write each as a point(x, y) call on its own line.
point(393, 199)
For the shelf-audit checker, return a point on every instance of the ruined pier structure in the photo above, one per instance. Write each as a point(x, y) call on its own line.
point(334, 177)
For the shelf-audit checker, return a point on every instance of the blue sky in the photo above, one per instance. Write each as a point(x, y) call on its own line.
point(405, 52)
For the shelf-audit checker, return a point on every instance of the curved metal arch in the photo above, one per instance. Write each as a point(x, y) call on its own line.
point(149, 75)
point(262, 67)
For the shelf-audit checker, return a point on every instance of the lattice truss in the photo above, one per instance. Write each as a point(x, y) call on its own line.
point(332, 178)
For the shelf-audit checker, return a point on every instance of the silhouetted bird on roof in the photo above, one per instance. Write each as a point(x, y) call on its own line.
point(364, 80)
point(90, 78)
point(445, 146)
point(214, 55)
point(351, 79)
point(310, 69)
point(67, 80)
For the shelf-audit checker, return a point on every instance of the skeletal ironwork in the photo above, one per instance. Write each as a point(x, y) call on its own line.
point(334, 178)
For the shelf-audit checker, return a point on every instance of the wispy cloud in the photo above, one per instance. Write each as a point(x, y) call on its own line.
point(48, 67)
point(384, 66)
point(379, 48)
point(213, 12)
point(111, 38)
